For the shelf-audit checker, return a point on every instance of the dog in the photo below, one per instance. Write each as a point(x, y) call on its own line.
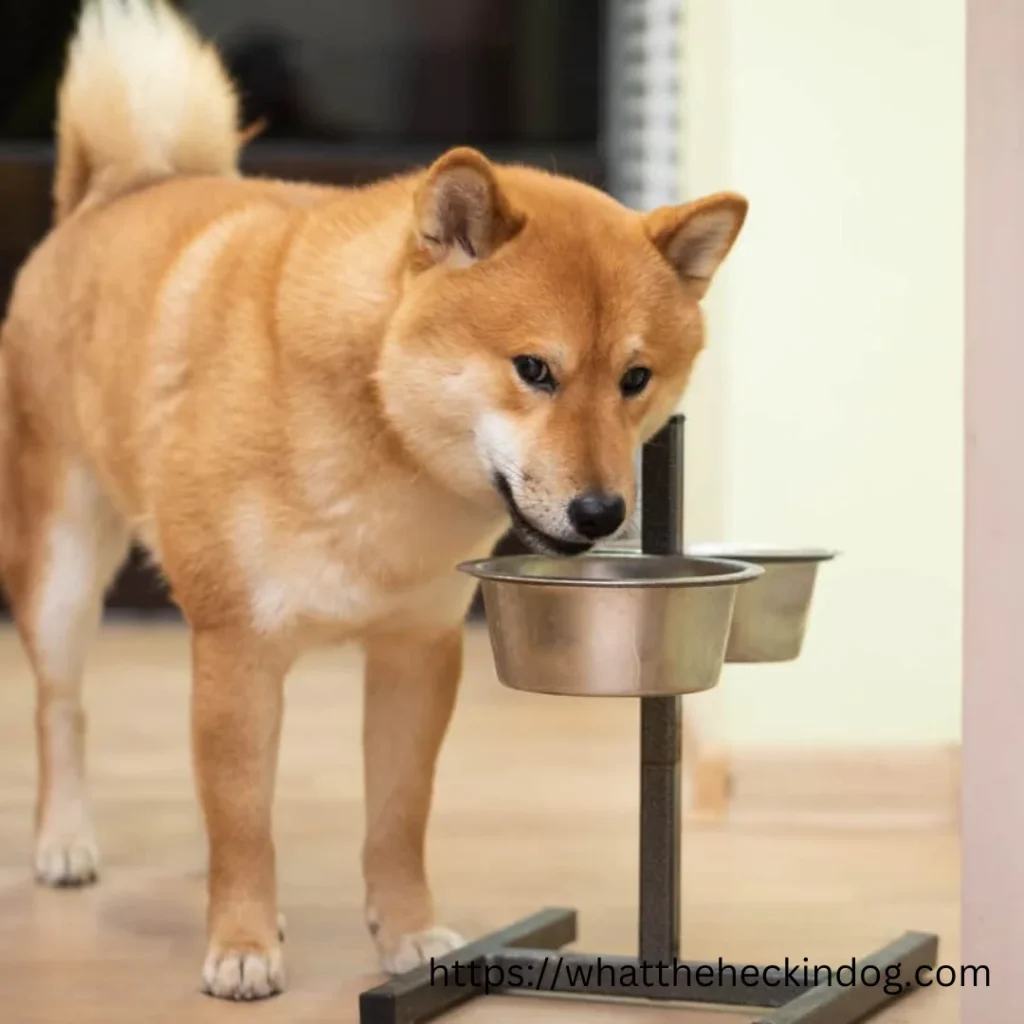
point(309, 404)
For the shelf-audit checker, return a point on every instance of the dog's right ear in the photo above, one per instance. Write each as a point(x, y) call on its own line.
point(462, 214)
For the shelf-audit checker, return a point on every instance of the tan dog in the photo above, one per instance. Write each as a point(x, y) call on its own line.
point(310, 404)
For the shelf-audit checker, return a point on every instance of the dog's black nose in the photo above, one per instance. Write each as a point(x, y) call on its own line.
point(597, 515)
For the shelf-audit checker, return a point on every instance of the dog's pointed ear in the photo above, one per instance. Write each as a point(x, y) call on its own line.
point(696, 237)
point(462, 214)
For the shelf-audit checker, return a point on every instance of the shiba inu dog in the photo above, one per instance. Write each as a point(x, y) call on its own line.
point(309, 404)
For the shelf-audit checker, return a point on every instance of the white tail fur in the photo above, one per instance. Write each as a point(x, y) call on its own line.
point(143, 97)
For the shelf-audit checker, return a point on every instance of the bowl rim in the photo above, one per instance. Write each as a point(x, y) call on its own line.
point(733, 572)
point(735, 551)
point(758, 553)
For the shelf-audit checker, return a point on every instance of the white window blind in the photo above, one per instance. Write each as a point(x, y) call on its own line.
point(642, 115)
point(642, 122)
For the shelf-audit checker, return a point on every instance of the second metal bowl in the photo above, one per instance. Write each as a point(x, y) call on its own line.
point(629, 625)
point(769, 622)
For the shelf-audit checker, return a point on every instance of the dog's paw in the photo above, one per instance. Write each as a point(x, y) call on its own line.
point(66, 861)
point(243, 974)
point(414, 950)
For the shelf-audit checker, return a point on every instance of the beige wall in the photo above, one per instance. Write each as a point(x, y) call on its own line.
point(828, 409)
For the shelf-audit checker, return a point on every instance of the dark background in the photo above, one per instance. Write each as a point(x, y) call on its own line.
point(352, 90)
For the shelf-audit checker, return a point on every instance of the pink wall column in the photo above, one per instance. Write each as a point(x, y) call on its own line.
point(993, 821)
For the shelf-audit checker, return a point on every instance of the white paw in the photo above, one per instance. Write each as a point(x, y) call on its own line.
point(419, 948)
point(66, 861)
point(243, 974)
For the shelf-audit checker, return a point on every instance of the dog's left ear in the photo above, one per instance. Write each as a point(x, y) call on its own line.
point(696, 237)
point(462, 213)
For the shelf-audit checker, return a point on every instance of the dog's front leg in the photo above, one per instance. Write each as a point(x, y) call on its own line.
point(411, 683)
point(237, 699)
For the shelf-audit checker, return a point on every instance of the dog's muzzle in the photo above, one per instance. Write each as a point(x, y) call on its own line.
point(536, 539)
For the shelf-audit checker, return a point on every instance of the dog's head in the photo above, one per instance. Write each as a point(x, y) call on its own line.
point(545, 332)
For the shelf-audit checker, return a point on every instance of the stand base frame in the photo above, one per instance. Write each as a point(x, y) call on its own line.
point(523, 959)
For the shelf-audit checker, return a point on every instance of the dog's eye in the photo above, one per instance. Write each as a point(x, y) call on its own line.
point(535, 372)
point(634, 380)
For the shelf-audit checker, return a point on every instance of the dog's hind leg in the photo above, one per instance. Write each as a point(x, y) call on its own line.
point(70, 544)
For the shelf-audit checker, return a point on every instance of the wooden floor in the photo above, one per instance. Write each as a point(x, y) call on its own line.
point(536, 806)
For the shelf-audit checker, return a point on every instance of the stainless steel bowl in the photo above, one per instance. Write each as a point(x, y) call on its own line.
point(769, 622)
point(610, 625)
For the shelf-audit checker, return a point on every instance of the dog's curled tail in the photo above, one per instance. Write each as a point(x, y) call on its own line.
point(143, 97)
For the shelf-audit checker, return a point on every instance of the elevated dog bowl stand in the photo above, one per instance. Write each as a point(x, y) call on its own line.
point(526, 958)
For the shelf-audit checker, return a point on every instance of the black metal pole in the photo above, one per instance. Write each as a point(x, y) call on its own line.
point(661, 512)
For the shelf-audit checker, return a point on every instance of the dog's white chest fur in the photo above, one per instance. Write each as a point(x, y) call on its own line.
point(305, 576)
